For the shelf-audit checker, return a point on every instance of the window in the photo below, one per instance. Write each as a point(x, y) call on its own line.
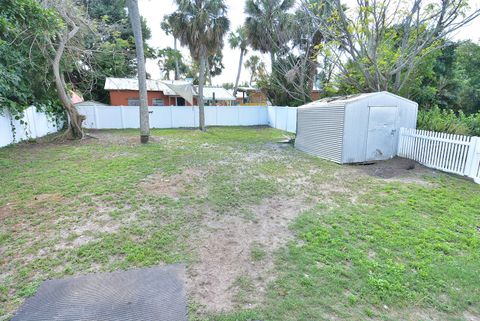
point(158, 102)
point(133, 102)
point(180, 101)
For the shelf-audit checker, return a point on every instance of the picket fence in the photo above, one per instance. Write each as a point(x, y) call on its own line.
point(121, 117)
point(456, 154)
point(30, 124)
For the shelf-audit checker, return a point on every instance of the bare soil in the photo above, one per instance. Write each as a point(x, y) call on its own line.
point(6, 211)
point(225, 254)
point(397, 168)
point(160, 184)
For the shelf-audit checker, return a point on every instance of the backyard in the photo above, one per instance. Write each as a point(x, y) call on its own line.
point(266, 232)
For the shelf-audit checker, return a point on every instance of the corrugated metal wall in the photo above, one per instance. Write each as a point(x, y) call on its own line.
point(320, 131)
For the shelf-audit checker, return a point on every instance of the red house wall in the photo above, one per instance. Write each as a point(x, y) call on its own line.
point(120, 97)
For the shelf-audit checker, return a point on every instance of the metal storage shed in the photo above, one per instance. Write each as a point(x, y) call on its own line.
point(356, 128)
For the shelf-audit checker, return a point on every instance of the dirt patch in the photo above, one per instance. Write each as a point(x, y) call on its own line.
point(172, 186)
point(46, 198)
point(85, 232)
point(6, 211)
point(397, 168)
point(226, 257)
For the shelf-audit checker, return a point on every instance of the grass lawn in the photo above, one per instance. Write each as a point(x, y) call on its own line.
point(267, 232)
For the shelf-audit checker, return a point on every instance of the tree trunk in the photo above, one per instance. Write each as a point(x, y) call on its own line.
point(242, 53)
point(208, 75)
point(201, 82)
point(177, 67)
point(272, 59)
point(142, 77)
point(75, 120)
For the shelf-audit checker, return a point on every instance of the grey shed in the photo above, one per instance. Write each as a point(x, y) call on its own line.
point(356, 128)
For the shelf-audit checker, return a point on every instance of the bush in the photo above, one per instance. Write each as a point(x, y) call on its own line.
point(447, 121)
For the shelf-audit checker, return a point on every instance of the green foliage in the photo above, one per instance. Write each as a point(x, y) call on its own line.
point(448, 121)
point(466, 67)
point(24, 73)
point(168, 58)
point(280, 90)
point(406, 245)
point(112, 46)
point(444, 78)
point(266, 23)
point(228, 85)
point(200, 25)
point(256, 67)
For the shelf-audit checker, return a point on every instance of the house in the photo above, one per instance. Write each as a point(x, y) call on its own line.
point(251, 96)
point(124, 92)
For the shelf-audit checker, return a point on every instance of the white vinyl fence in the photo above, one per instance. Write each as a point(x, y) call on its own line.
point(451, 153)
point(110, 117)
point(31, 124)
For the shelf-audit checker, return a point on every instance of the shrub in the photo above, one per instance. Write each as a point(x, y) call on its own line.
point(447, 121)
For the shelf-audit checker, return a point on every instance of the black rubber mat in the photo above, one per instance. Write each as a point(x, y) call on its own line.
point(153, 294)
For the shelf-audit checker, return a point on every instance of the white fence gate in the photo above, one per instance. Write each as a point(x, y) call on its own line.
point(447, 152)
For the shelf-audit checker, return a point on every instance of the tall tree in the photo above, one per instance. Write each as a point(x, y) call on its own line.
point(215, 65)
point(466, 67)
point(134, 14)
point(267, 25)
point(200, 25)
point(112, 47)
point(67, 43)
point(171, 60)
point(256, 66)
point(238, 39)
point(168, 30)
point(379, 44)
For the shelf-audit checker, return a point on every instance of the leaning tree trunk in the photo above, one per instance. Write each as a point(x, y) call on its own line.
point(75, 120)
point(242, 53)
point(201, 82)
point(142, 77)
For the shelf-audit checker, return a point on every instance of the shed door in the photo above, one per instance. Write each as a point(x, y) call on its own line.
point(381, 140)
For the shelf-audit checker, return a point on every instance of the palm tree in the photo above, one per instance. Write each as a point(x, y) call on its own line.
point(142, 76)
point(256, 66)
point(238, 39)
point(168, 30)
point(267, 24)
point(200, 25)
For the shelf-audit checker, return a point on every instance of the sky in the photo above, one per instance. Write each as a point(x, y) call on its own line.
point(154, 11)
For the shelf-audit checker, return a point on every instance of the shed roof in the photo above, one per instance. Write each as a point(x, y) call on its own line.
point(341, 100)
point(90, 103)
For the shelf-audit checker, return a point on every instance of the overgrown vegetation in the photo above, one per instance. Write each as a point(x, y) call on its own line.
point(50, 48)
point(361, 248)
point(448, 121)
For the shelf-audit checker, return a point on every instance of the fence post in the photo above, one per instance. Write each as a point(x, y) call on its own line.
point(473, 159)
